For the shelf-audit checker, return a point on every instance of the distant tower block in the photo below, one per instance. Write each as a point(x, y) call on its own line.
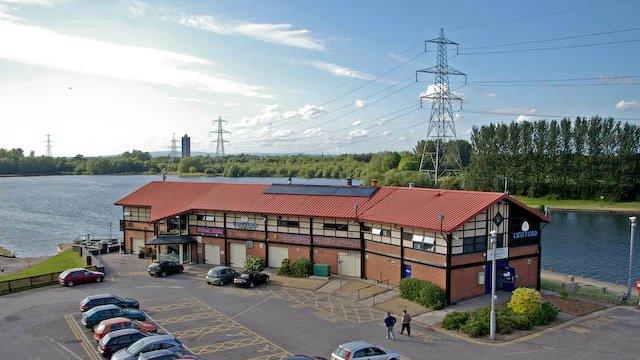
point(173, 150)
point(219, 141)
point(186, 146)
point(441, 128)
point(48, 146)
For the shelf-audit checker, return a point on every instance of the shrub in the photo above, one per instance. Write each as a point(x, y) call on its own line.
point(302, 268)
point(423, 292)
point(455, 320)
point(254, 263)
point(545, 316)
point(525, 301)
point(285, 268)
point(564, 294)
point(478, 323)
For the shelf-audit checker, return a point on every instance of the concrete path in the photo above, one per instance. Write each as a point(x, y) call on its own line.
point(566, 278)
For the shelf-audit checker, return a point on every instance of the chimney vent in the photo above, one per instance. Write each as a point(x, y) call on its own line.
point(374, 182)
point(412, 185)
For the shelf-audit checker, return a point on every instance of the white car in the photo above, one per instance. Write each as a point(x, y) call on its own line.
point(363, 350)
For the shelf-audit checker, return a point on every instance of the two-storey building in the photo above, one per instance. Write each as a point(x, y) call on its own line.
point(379, 233)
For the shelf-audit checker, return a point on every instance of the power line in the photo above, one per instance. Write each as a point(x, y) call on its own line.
point(601, 78)
point(551, 47)
point(489, 112)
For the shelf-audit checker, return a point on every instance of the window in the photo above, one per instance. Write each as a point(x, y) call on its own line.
point(173, 225)
point(288, 223)
point(337, 227)
point(407, 236)
point(422, 242)
point(200, 217)
point(366, 228)
point(381, 232)
point(474, 244)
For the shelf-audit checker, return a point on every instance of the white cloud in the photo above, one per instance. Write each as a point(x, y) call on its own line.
point(358, 133)
point(359, 103)
point(490, 95)
point(312, 132)
point(195, 100)
point(432, 89)
point(385, 133)
point(281, 33)
point(281, 133)
point(271, 113)
point(338, 70)
point(43, 47)
point(523, 117)
point(624, 105)
point(5, 14)
point(34, 2)
point(356, 123)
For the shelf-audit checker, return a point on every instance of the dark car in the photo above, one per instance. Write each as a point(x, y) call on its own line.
point(147, 344)
point(75, 276)
point(251, 279)
point(107, 299)
point(103, 312)
point(221, 275)
point(117, 340)
point(164, 268)
point(165, 355)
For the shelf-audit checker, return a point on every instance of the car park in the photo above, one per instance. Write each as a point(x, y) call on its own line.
point(102, 312)
point(71, 277)
point(147, 344)
point(107, 299)
point(363, 350)
point(117, 340)
point(119, 323)
point(303, 357)
point(221, 275)
point(251, 279)
point(164, 268)
point(165, 355)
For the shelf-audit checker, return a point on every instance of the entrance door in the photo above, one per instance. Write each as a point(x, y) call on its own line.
point(500, 265)
point(137, 246)
point(238, 254)
point(349, 264)
point(211, 254)
point(277, 254)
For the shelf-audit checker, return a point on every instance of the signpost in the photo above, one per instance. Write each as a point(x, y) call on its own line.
point(492, 319)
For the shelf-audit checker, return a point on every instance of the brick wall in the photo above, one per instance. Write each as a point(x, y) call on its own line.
point(464, 283)
point(326, 256)
point(381, 268)
point(526, 270)
point(428, 273)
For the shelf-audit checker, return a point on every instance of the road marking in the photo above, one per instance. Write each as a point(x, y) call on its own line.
point(250, 308)
point(167, 332)
point(80, 336)
point(578, 330)
point(63, 347)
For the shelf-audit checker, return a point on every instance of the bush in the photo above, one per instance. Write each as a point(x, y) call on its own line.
point(254, 263)
point(564, 294)
point(302, 268)
point(423, 292)
point(285, 268)
point(525, 301)
point(545, 316)
point(455, 320)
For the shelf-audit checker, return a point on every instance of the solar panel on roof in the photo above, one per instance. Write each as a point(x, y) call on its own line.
point(323, 190)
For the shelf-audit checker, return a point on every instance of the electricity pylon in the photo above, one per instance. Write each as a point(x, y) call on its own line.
point(220, 136)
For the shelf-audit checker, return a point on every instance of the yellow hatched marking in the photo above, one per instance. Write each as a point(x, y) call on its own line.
point(188, 317)
point(209, 330)
point(601, 321)
point(578, 330)
point(168, 307)
point(228, 345)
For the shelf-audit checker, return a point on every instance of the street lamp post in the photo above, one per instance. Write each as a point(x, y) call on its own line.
point(633, 235)
point(492, 319)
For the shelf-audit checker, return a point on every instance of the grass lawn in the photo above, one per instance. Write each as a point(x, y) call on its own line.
point(585, 291)
point(64, 260)
point(581, 204)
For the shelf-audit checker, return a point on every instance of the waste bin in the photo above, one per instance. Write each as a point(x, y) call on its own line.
point(321, 270)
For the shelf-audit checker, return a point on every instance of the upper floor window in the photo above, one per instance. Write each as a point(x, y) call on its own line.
point(337, 227)
point(288, 223)
point(200, 217)
point(474, 244)
point(381, 232)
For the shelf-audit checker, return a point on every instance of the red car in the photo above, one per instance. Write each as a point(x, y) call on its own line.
point(72, 277)
point(119, 323)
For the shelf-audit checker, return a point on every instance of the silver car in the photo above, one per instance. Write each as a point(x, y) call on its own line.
point(221, 275)
point(151, 343)
point(363, 350)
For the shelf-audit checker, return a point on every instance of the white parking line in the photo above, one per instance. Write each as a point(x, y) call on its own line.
point(249, 308)
point(63, 347)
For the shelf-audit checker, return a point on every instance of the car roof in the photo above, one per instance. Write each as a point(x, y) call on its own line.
point(122, 332)
point(100, 296)
point(73, 269)
point(155, 338)
point(102, 307)
point(115, 320)
point(219, 268)
point(356, 345)
point(155, 353)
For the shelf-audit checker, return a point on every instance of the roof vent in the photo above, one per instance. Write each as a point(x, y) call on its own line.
point(412, 185)
point(349, 182)
point(438, 194)
point(374, 182)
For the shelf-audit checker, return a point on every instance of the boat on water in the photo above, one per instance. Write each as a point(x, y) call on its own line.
point(7, 253)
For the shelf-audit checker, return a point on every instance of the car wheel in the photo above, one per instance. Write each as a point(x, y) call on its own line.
point(266, 280)
point(251, 284)
point(99, 279)
point(221, 283)
point(70, 283)
point(181, 269)
point(164, 274)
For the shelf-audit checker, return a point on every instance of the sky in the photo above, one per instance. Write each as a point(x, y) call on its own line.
point(104, 77)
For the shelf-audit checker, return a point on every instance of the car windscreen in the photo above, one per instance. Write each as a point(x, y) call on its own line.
point(342, 352)
point(244, 276)
point(215, 272)
point(136, 346)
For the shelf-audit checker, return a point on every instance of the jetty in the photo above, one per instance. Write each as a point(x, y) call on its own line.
point(6, 252)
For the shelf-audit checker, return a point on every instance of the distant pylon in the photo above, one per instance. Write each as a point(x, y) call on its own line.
point(173, 149)
point(48, 145)
point(441, 128)
point(219, 136)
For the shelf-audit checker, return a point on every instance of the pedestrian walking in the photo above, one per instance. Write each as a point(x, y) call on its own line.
point(406, 322)
point(389, 322)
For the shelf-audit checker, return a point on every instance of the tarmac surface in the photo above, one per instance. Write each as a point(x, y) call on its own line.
point(270, 322)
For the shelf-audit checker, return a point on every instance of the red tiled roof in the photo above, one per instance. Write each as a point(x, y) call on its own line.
point(411, 207)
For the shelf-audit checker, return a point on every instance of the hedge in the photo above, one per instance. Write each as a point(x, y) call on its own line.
point(423, 292)
point(254, 263)
point(299, 268)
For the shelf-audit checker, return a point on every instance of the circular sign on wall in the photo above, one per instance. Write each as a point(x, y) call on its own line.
point(525, 226)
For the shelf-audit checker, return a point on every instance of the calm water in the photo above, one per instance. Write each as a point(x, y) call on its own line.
point(38, 213)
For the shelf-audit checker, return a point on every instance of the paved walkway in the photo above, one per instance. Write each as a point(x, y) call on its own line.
point(567, 279)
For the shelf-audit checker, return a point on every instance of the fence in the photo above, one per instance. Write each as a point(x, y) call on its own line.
point(31, 282)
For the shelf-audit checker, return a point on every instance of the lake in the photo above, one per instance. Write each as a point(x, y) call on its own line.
point(38, 213)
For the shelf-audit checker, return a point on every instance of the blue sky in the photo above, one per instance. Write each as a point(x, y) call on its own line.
point(103, 77)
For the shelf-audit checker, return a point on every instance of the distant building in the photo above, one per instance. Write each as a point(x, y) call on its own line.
point(186, 146)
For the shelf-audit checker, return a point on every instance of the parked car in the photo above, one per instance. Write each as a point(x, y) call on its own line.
point(165, 355)
point(107, 299)
point(102, 312)
point(221, 275)
point(363, 349)
point(117, 340)
point(251, 279)
point(164, 268)
point(76, 276)
point(119, 323)
point(147, 344)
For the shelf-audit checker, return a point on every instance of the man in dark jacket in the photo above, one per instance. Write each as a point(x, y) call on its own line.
point(389, 322)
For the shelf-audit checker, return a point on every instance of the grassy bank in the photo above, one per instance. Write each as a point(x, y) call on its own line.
point(64, 260)
point(585, 291)
point(583, 205)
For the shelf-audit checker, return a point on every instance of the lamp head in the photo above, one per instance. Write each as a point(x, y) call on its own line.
point(493, 233)
point(633, 220)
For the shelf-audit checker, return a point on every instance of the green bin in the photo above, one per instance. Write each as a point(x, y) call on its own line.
point(321, 270)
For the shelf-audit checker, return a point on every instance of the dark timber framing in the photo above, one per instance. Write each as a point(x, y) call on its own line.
point(402, 253)
point(311, 251)
point(448, 271)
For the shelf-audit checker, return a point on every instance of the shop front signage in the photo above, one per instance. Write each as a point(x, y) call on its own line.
point(209, 230)
point(501, 253)
point(526, 231)
point(245, 225)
